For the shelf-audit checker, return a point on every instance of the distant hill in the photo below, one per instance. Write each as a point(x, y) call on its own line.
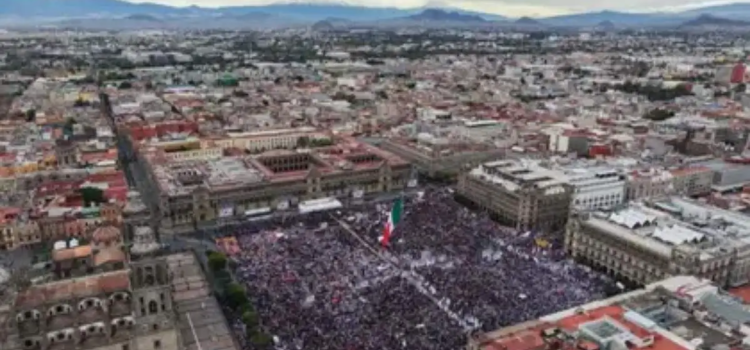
point(445, 16)
point(124, 13)
point(527, 21)
point(591, 19)
point(142, 17)
point(605, 25)
point(706, 20)
point(323, 26)
point(740, 11)
point(249, 16)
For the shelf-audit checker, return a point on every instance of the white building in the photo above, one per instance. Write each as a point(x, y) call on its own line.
point(595, 188)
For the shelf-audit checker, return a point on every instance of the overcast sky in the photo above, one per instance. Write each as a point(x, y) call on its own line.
point(514, 8)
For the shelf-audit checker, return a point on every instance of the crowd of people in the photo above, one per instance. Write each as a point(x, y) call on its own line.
point(447, 271)
point(319, 290)
point(494, 274)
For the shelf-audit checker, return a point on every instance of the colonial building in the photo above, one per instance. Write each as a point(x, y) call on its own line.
point(649, 241)
point(98, 302)
point(206, 188)
point(517, 195)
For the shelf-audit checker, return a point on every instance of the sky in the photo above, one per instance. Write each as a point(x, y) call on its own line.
point(512, 8)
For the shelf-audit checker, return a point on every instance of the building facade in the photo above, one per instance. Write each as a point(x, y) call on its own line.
point(648, 183)
point(692, 181)
point(97, 302)
point(648, 242)
point(517, 196)
point(205, 191)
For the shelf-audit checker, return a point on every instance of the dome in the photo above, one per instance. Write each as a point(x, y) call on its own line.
point(106, 234)
point(144, 241)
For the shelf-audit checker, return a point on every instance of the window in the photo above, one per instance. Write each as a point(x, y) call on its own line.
point(157, 344)
point(125, 347)
point(152, 307)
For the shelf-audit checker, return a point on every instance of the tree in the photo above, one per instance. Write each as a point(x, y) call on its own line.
point(740, 88)
point(92, 195)
point(68, 127)
point(303, 142)
point(30, 115)
point(261, 340)
point(250, 319)
point(217, 261)
point(236, 295)
point(321, 142)
point(125, 85)
point(658, 114)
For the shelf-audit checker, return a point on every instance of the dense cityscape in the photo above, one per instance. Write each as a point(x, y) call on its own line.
point(332, 186)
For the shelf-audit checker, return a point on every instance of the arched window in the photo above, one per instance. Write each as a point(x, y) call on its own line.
point(152, 307)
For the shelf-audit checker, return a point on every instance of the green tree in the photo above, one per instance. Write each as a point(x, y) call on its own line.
point(250, 319)
point(217, 261)
point(303, 142)
point(321, 142)
point(261, 340)
point(92, 195)
point(236, 296)
point(658, 114)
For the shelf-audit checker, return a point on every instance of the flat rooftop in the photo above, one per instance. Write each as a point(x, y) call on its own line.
point(647, 318)
point(177, 176)
point(514, 175)
point(660, 225)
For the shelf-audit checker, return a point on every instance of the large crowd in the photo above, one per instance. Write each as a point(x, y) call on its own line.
point(448, 271)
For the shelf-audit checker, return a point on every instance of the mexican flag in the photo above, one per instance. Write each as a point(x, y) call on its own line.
point(393, 220)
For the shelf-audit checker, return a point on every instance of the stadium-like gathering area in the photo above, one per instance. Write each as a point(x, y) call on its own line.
point(322, 281)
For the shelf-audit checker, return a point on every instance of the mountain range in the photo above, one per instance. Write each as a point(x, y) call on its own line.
point(123, 14)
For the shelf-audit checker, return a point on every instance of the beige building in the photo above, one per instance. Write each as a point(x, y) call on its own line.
point(436, 159)
point(517, 196)
point(648, 183)
point(646, 242)
point(204, 191)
